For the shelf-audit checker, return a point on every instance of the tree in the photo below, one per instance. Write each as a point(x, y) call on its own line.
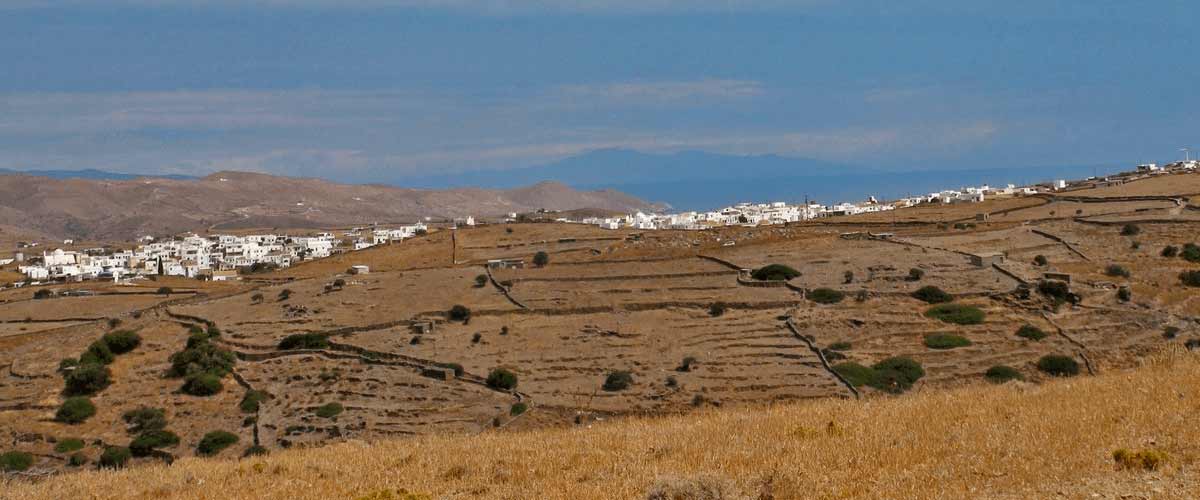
point(932, 295)
point(541, 258)
point(459, 313)
point(617, 381)
point(774, 272)
point(500, 378)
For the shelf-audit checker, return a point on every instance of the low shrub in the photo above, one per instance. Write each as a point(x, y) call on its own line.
point(86, 380)
point(932, 295)
point(826, 296)
point(517, 409)
point(215, 441)
point(540, 259)
point(861, 296)
point(43, 293)
point(67, 364)
point(840, 346)
point(1170, 332)
point(1148, 460)
point(145, 443)
point(145, 419)
point(304, 341)
point(97, 352)
point(165, 290)
point(254, 451)
point(458, 369)
point(15, 461)
point(854, 373)
point(68, 445)
point(1058, 365)
point(1041, 260)
point(1130, 230)
point(1059, 291)
point(459, 313)
point(329, 410)
point(1000, 374)
point(1169, 251)
point(774, 272)
point(1190, 252)
point(481, 281)
point(1031, 332)
point(284, 295)
point(896, 374)
point(1116, 271)
point(617, 381)
point(75, 410)
point(77, 460)
point(847, 277)
point(1124, 294)
point(915, 274)
point(122, 341)
point(1190, 278)
point(716, 309)
point(476, 338)
point(500, 378)
point(252, 401)
point(115, 457)
point(945, 341)
point(201, 357)
point(958, 314)
point(687, 364)
point(204, 384)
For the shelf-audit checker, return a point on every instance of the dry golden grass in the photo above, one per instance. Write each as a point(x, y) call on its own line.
point(1011, 441)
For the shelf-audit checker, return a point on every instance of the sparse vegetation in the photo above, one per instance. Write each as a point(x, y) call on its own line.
point(1000, 374)
point(15, 461)
point(215, 441)
point(459, 313)
point(329, 410)
point(1116, 271)
point(115, 457)
point(932, 294)
point(122, 341)
point(68, 445)
point(304, 341)
point(915, 274)
point(774, 272)
point(1146, 460)
point(1190, 278)
point(945, 341)
point(617, 381)
point(252, 401)
point(1130, 230)
point(500, 378)
point(959, 314)
point(1058, 365)
point(75, 410)
point(826, 296)
point(1031, 332)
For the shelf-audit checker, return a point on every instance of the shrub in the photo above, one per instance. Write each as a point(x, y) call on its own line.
point(1116, 271)
point(458, 368)
point(340, 283)
point(284, 294)
point(858, 375)
point(67, 364)
point(932, 294)
point(517, 409)
point(774, 272)
point(1190, 252)
point(1124, 294)
point(717, 309)
point(540, 259)
point(1130, 230)
point(304, 341)
point(1139, 460)
point(201, 357)
point(145, 419)
point(839, 346)
point(77, 460)
point(687, 364)
point(476, 338)
point(503, 330)
point(1031, 332)
point(945, 341)
point(1000, 374)
point(43, 293)
point(68, 445)
point(1041, 260)
point(164, 290)
point(256, 298)
point(958, 314)
point(97, 352)
point(1190, 278)
point(500, 378)
point(1169, 251)
point(215, 441)
point(75, 410)
point(1170, 332)
point(204, 384)
point(15, 461)
point(254, 451)
point(481, 281)
point(915, 274)
point(121, 342)
point(115, 457)
point(415, 340)
point(895, 375)
point(1135, 244)
point(909, 368)
point(861, 296)
point(826, 296)
point(1058, 365)
point(848, 277)
point(329, 410)
point(617, 381)
point(1060, 291)
point(87, 379)
point(145, 443)
point(459, 313)
point(252, 401)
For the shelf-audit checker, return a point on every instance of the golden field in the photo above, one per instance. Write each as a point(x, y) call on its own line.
point(1054, 440)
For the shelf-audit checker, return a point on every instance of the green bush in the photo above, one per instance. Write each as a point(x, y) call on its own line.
point(459, 313)
point(854, 373)
point(1058, 365)
point(1190, 278)
point(458, 368)
point(145, 443)
point(1116, 271)
point(1124, 294)
point(252, 401)
point(1170, 251)
point(77, 460)
point(97, 352)
point(1031, 332)
point(254, 451)
point(115, 457)
point(215, 441)
point(717, 309)
point(75, 410)
point(617, 381)
point(86, 380)
point(910, 370)
point(68, 445)
point(204, 384)
point(945, 341)
point(481, 281)
point(540, 259)
point(121, 342)
point(932, 294)
point(839, 346)
point(958, 314)
point(915, 274)
point(826, 296)
point(1060, 291)
point(1040, 260)
point(15, 461)
point(774, 272)
point(145, 419)
point(330, 410)
point(304, 341)
point(1130, 230)
point(1170, 332)
point(517, 409)
point(1000, 374)
point(500, 378)
point(1190, 252)
point(67, 364)
point(203, 357)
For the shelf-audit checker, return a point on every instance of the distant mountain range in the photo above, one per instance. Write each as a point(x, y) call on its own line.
point(90, 173)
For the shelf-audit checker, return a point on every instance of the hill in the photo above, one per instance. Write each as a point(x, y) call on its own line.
point(1011, 441)
point(123, 209)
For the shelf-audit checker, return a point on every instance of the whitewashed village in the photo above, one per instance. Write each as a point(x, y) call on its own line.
point(227, 257)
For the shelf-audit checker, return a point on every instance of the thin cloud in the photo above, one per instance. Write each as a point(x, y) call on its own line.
point(487, 7)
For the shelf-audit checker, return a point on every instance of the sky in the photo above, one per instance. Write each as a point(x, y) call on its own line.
point(381, 90)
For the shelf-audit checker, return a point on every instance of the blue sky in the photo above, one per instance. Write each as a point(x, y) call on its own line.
point(377, 90)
